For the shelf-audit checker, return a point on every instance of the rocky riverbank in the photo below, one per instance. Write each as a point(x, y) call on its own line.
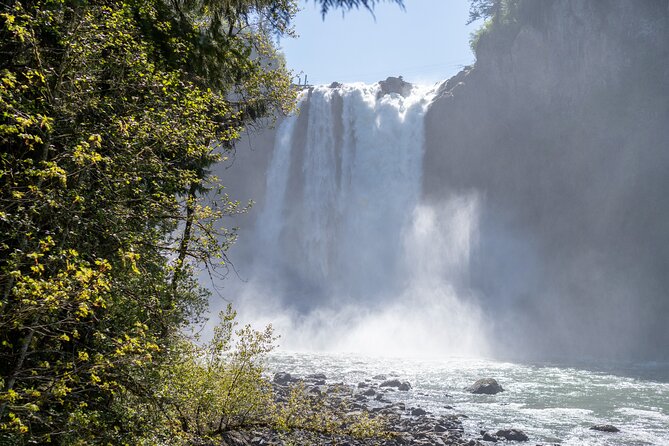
point(403, 424)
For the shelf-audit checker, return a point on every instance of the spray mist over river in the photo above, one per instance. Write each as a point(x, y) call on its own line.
point(346, 257)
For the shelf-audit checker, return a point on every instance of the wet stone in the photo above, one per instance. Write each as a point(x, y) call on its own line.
point(605, 428)
point(512, 435)
point(485, 386)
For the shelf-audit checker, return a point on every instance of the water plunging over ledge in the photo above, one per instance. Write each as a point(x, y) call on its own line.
point(345, 254)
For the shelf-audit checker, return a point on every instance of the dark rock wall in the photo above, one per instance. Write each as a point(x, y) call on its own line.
point(562, 129)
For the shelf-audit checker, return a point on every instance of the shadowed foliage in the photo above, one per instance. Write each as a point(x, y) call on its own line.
point(327, 5)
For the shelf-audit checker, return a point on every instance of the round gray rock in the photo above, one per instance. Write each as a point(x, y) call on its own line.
point(485, 386)
point(283, 378)
point(512, 435)
point(404, 387)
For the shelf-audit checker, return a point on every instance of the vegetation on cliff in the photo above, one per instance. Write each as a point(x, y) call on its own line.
point(502, 19)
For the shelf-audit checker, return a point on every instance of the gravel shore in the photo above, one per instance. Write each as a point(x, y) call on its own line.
point(405, 425)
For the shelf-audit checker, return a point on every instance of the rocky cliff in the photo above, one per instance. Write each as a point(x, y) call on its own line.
point(561, 129)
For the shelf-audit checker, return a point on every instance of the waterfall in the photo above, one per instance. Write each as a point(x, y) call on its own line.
point(345, 254)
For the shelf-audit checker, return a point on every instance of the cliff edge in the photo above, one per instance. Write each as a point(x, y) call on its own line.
point(561, 129)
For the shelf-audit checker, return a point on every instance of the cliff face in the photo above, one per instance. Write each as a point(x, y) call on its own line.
point(562, 130)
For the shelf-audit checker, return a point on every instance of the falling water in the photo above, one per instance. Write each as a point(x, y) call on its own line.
point(346, 257)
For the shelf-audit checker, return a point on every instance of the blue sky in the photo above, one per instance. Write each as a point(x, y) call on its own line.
point(425, 43)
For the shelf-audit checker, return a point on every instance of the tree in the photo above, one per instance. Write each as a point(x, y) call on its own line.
point(326, 5)
point(483, 9)
point(112, 113)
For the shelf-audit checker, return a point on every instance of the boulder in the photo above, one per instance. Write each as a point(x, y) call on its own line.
point(284, 378)
point(379, 377)
point(486, 386)
point(405, 386)
point(417, 411)
point(369, 392)
point(487, 436)
point(605, 428)
point(395, 85)
point(512, 435)
point(391, 383)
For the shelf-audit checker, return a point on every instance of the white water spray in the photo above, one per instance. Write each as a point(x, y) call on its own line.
point(347, 258)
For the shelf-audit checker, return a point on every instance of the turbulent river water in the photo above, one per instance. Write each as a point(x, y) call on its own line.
point(551, 403)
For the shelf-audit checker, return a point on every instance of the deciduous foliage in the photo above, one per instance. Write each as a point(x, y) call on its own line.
point(112, 113)
point(203, 390)
point(502, 20)
point(483, 9)
point(327, 5)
